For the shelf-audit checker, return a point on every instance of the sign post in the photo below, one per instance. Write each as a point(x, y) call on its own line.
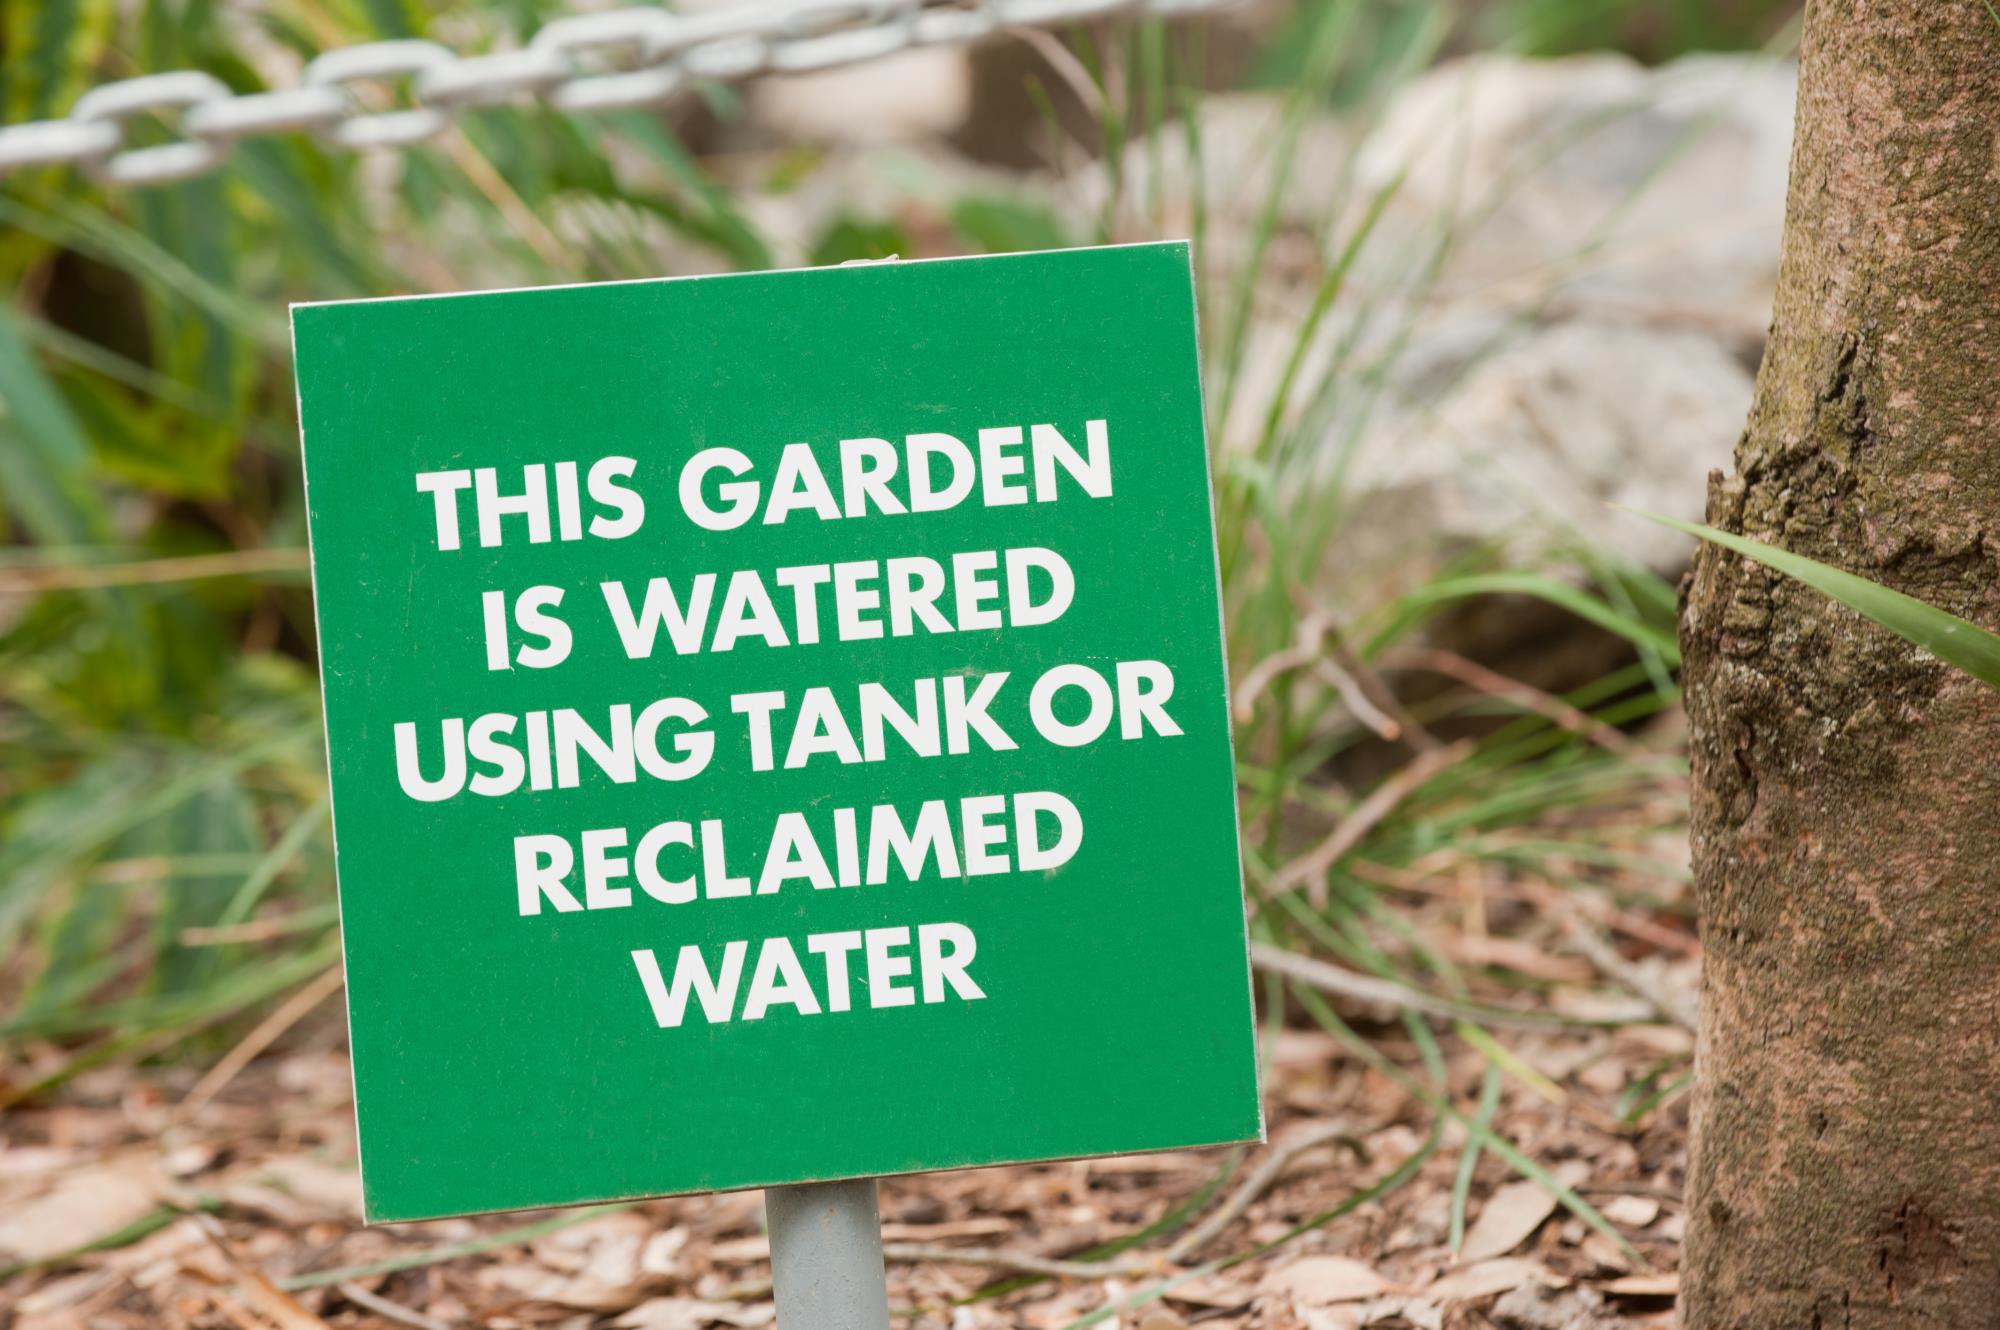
point(826, 1255)
point(778, 736)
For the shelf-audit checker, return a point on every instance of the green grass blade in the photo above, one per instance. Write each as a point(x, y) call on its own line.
point(1488, 1139)
point(1951, 639)
point(1412, 608)
point(48, 47)
point(44, 460)
point(452, 1251)
point(1468, 1158)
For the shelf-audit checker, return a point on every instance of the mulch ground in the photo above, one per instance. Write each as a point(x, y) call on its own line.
point(124, 1203)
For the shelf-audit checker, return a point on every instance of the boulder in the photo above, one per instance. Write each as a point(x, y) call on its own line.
point(1561, 304)
point(1593, 186)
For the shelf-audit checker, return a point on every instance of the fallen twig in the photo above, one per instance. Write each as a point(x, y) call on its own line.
point(1585, 939)
point(1282, 1153)
point(268, 1031)
point(1303, 651)
point(451, 1251)
point(1311, 867)
point(1385, 992)
point(1369, 679)
point(391, 1311)
point(1476, 676)
point(1356, 699)
point(1534, 893)
point(1018, 1262)
point(271, 1303)
point(1318, 644)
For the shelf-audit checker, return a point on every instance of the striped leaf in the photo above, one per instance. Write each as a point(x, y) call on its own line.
point(1946, 636)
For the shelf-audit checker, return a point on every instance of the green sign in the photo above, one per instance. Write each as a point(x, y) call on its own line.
point(778, 727)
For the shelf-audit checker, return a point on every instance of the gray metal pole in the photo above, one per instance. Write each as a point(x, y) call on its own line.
point(826, 1256)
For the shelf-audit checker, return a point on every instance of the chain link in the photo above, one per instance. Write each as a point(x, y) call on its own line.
point(115, 103)
point(641, 56)
point(373, 62)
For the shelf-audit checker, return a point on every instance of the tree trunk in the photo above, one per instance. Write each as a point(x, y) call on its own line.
point(1845, 1169)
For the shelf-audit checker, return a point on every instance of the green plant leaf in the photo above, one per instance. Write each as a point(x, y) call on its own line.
point(851, 239)
point(1488, 1139)
point(44, 460)
point(1002, 225)
point(1951, 639)
point(1408, 611)
point(48, 47)
point(1468, 1158)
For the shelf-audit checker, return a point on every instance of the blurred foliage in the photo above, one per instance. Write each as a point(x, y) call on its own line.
point(165, 860)
point(165, 851)
point(1388, 32)
point(1651, 30)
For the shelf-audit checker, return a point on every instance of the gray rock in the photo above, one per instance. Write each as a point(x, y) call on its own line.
point(1533, 440)
point(1560, 308)
point(1591, 332)
point(1591, 185)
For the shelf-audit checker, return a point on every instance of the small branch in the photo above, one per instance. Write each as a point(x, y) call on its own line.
point(273, 1304)
point(1303, 651)
point(1370, 680)
point(1356, 700)
point(1383, 992)
point(1554, 709)
point(387, 1310)
point(451, 1251)
point(1584, 939)
point(1312, 866)
point(1075, 76)
point(268, 1032)
point(1019, 1263)
point(1280, 1157)
point(1317, 644)
point(1587, 940)
point(1532, 893)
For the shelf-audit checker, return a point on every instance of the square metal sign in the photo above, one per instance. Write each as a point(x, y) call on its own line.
point(777, 727)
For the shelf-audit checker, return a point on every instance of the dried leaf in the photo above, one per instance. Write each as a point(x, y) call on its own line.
point(1212, 1295)
point(59, 1295)
point(990, 1226)
point(276, 1305)
point(1604, 1254)
point(1644, 1286)
point(534, 1283)
point(327, 1189)
point(605, 1250)
point(695, 1314)
point(1344, 1317)
point(281, 1208)
point(741, 1251)
point(1487, 1278)
point(1321, 1281)
point(1630, 1211)
point(1509, 1217)
point(92, 1203)
point(1419, 1312)
point(660, 1257)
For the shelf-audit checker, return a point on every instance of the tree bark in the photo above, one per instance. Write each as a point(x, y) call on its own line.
point(1845, 1167)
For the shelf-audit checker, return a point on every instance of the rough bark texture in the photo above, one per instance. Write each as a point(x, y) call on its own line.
point(1845, 1170)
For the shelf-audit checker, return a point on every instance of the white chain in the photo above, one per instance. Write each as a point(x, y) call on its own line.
point(661, 53)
